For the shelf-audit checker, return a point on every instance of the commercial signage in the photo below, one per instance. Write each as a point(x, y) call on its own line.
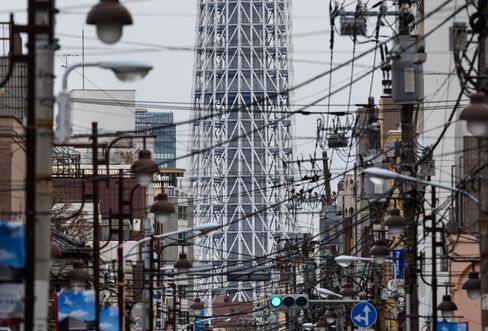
point(76, 310)
point(398, 265)
point(11, 301)
point(452, 326)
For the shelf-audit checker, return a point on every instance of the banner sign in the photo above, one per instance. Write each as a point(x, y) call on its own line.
point(397, 259)
point(452, 326)
point(12, 251)
point(109, 318)
point(76, 310)
point(11, 301)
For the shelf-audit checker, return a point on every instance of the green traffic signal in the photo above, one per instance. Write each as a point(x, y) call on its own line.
point(276, 301)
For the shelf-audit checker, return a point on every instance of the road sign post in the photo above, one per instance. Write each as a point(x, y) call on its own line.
point(363, 315)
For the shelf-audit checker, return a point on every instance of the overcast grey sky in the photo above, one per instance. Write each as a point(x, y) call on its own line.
point(172, 23)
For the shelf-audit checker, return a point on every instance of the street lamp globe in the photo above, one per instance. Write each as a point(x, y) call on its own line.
point(344, 260)
point(182, 264)
point(127, 71)
point(476, 115)
point(78, 276)
point(473, 285)
point(322, 325)
point(197, 307)
point(447, 307)
point(144, 168)
point(109, 16)
point(347, 292)
point(395, 224)
point(379, 251)
point(330, 316)
point(162, 208)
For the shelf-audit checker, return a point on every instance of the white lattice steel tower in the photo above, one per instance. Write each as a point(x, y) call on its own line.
point(240, 173)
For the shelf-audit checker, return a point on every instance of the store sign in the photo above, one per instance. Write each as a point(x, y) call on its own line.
point(397, 257)
point(11, 301)
point(452, 326)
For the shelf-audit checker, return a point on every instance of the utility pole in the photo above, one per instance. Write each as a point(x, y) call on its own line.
point(40, 101)
point(96, 224)
point(407, 90)
point(483, 197)
point(148, 267)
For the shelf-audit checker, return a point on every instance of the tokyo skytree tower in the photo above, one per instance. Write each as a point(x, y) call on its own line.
point(241, 134)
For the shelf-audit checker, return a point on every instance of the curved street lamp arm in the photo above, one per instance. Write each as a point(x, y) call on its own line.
point(73, 67)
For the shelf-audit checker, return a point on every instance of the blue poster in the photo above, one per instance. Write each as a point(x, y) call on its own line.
point(12, 245)
point(109, 318)
point(397, 259)
point(452, 326)
point(76, 310)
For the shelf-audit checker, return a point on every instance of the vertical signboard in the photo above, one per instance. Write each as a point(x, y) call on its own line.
point(397, 259)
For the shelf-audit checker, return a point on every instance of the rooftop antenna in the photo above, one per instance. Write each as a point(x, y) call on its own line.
point(83, 58)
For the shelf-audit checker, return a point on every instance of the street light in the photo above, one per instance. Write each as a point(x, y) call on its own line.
point(162, 208)
point(144, 168)
point(380, 174)
point(322, 324)
point(379, 251)
point(347, 292)
point(473, 285)
point(447, 307)
point(308, 326)
point(182, 264)
point(325, 292)
point(201, 229)
point(395, 223)
point(109, 16)
point(124, 71)
point(346, 260)
point(330, 316)
point(476, 114)
point(78, 276)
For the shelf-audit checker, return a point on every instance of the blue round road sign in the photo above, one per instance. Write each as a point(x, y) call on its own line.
point(363, 315)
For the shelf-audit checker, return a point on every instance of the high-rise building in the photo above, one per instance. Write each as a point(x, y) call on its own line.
point(162, 126)
point(241, 140)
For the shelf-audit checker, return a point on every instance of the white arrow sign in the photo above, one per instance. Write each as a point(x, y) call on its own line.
point(364, 318)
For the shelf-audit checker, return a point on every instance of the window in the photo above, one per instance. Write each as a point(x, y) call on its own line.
point(182, 291)
point(183, 212)
point(183, 317)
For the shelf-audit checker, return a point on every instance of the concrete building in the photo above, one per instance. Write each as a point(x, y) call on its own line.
point(160, 124)
point(114, 110)
point(12, 114)
point(442, 88)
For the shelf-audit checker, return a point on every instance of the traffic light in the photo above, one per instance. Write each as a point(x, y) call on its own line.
point(288, 301)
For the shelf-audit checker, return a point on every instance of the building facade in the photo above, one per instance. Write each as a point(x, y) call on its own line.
point(160, 124)
point(241, 141)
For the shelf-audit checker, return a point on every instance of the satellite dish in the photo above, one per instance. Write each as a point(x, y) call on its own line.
point(136, 315)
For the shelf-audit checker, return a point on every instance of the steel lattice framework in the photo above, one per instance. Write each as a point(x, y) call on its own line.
point(241, 131)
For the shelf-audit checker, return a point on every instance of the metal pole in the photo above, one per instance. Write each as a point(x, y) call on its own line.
point(148, 232)
point(434, 260)
point(120, 254)
point(30, 180)
point(483, 195)
point(96, 225)
point(151, 286)
point(408, 166)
